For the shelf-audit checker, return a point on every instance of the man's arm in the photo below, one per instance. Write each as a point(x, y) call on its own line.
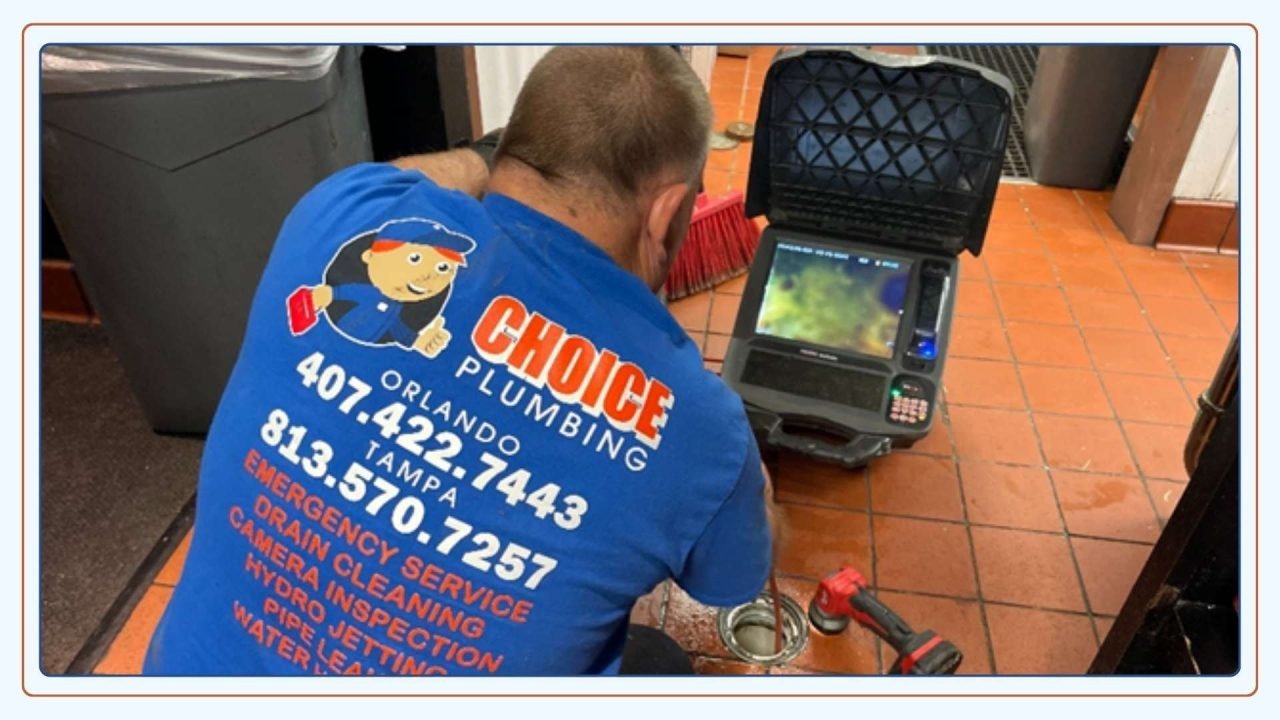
point(731, 561)
point(462, 169)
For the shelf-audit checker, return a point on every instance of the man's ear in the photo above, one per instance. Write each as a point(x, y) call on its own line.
point(366, 255)
point(664, 209)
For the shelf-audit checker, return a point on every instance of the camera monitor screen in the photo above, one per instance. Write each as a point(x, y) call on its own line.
point(845, 301)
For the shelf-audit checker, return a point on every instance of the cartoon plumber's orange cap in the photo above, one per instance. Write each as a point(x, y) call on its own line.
point(452, 246)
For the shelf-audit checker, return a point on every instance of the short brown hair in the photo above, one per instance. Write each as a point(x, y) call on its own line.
point(613, 115)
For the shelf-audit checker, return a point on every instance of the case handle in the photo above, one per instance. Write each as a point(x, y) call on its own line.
point(856, 453)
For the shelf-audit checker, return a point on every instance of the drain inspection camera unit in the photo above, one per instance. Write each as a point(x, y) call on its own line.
point(875, 171)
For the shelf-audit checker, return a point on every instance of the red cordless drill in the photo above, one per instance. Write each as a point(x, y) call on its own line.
point(843, 595)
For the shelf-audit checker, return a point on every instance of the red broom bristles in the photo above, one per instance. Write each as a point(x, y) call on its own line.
point(720, 245)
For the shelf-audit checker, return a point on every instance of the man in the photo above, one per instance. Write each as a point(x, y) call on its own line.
point(497, 504)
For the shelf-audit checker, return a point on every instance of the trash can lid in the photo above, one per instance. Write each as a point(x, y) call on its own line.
point(97, 68)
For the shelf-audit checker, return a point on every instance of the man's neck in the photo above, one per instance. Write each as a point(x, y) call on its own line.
point(587, 217)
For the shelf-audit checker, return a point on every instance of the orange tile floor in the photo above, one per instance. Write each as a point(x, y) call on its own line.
point(1017, 526)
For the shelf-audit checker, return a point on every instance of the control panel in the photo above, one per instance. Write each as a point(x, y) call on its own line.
point(910, 401)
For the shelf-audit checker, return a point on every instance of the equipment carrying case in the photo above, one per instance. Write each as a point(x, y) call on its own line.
point(875, 171)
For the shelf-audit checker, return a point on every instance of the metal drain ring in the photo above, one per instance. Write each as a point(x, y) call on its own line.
point(759, 612)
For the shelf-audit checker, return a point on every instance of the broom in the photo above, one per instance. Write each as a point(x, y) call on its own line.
point(719, 246)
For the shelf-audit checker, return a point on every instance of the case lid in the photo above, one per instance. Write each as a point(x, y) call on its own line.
point(902, 150)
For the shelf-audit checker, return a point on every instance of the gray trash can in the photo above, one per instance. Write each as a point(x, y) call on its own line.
point(1079, 108)
point(169, 196)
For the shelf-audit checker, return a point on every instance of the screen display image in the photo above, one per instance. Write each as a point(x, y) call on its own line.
point(841, 300)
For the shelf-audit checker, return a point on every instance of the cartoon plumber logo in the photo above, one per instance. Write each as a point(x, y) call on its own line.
point(388, 287)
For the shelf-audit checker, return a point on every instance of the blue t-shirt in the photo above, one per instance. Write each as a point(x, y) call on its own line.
point(479, 478)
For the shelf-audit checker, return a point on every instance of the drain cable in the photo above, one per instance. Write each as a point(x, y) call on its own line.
point(777, 613)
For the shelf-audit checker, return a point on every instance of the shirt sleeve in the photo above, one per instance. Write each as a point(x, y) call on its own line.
point(730, 563)
point(403, 334)
point(347, 293)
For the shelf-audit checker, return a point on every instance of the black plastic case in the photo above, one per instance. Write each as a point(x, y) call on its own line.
point(877, 155)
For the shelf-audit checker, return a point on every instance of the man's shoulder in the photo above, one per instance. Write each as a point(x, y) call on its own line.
point(716, 396)
point(362, 176)
point(371, 193)
point(710, 410)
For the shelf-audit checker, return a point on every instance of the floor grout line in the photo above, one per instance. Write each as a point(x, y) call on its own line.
point(954, 457)
point(1124, 432)
point(1051, 413)
point(973, 550)
point(871, 544)
point(952, 521)
point(958, 598)
point(1066, 535)
point(1060, 468)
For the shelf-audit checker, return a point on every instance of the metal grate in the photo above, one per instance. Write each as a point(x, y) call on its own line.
point(1018, 63)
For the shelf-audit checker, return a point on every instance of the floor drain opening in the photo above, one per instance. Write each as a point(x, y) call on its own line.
point(748, 630)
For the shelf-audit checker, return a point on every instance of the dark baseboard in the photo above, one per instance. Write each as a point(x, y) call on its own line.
point(61, 297)
point(1208, 226)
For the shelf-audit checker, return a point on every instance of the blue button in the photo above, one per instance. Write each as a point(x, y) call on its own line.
point(927, 348)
